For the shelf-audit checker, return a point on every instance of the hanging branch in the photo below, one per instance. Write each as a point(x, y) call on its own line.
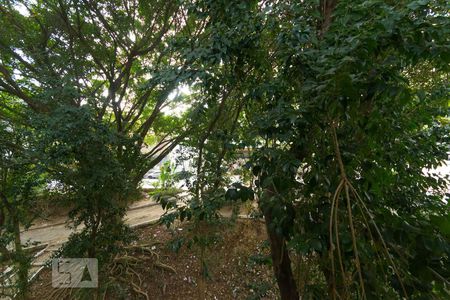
point(333, 214)
point(345, 185)
point(349, 189)
point(361, 203)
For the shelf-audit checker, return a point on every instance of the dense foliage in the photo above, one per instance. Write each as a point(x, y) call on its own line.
point(328, 112)
point(343, 106)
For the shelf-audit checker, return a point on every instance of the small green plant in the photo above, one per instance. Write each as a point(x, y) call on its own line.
point(260, 259)
point(167, 176)
point(259, 289)
point(165, 192)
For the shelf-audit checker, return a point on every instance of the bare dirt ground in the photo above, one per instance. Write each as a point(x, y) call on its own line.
point(235, 265)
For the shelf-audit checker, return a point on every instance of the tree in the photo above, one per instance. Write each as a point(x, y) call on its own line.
point(19, 180)
point(341, 132)
point(112, 57)
point(78, 151)
point(94, 78)
point(342, 111)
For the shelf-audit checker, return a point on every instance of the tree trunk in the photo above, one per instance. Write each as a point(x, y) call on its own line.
point(21, 261)
point(281, 261)
point(92, 250)
point(326, 10)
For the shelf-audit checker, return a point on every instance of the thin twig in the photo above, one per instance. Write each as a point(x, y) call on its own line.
point(382, 240)
point(333, 202)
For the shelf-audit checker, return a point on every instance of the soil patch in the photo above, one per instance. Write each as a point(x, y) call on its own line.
point(222, 261)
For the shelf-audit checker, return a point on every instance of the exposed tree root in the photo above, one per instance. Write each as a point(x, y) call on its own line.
point(125, 267)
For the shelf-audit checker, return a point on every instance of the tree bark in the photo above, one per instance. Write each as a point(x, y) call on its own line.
point(281, 261)
point(326, 9)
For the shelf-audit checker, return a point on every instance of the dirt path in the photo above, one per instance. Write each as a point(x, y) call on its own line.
point(58, 231)
point(53, 234)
